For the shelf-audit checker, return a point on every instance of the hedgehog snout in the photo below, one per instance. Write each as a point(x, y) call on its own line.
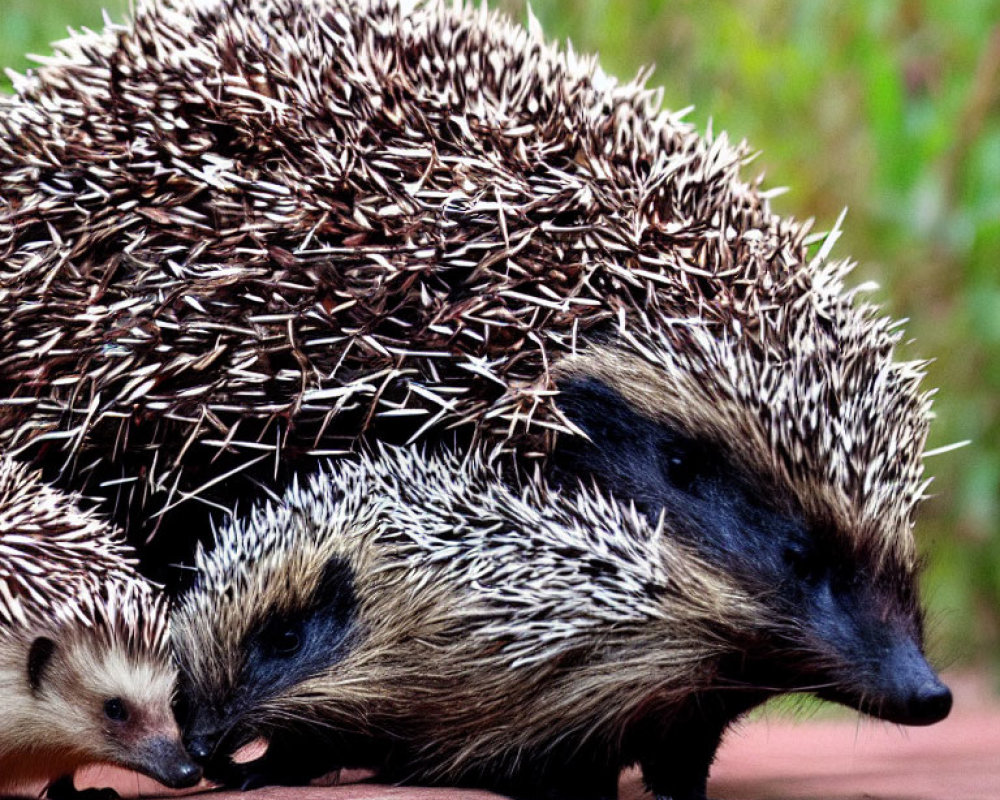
point(201, 747)
point(880, 665)
point(911, 692)
point(205, 743)
point(167, 762)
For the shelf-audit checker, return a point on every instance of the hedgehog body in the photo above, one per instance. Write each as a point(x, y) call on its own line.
point(241, 236)
point(85, 667)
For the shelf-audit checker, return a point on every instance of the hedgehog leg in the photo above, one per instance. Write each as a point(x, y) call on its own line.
point(676, 754)
point(572, 778)
point(64, 789)
point(683, 775)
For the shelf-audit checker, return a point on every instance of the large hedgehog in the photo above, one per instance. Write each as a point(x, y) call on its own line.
point(238, 236)
point(86, 673)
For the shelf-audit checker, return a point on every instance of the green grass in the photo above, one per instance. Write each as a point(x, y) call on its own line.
point(30, 26)
point(891, 109)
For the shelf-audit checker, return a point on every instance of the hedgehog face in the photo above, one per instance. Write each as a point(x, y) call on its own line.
point(107, 703)
point(850, 622)
point(235, 674)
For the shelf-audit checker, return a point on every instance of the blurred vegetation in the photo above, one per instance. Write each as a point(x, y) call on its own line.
point(891, 109)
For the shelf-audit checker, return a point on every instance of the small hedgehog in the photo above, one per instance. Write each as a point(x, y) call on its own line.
point(413, 614)
point(86, 673)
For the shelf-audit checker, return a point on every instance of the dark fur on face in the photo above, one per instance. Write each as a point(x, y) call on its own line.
point(851, 626)
point(279, 649)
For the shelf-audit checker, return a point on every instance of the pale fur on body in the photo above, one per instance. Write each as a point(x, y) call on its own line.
point(79, 628)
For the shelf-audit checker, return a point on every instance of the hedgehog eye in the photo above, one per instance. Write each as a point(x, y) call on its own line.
point(286, 642)
point(116, 710)
point(805, 566)
point(683, 467)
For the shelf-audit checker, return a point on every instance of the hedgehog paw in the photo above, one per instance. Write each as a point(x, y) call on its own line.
point(64, 789)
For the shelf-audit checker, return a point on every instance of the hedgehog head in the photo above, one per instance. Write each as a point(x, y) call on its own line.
point(272, 607)
point(101, 680)
point(85, 634)
point(775, 422)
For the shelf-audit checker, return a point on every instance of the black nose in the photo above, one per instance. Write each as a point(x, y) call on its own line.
point(201, 748)
point(165, 760)
point(183, 775)
point(930, 703)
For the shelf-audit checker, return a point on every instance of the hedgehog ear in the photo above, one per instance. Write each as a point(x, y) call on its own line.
point(39, 657)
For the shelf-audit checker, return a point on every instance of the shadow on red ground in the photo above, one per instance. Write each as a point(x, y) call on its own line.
point(777, 759)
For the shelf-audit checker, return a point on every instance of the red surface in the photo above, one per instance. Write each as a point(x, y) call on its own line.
point(781, 759)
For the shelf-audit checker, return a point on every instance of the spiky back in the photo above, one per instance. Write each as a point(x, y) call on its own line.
point(281, 223)
point(475, 606)
point(63, 568)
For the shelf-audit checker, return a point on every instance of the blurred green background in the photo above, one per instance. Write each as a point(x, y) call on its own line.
point(889, 108)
